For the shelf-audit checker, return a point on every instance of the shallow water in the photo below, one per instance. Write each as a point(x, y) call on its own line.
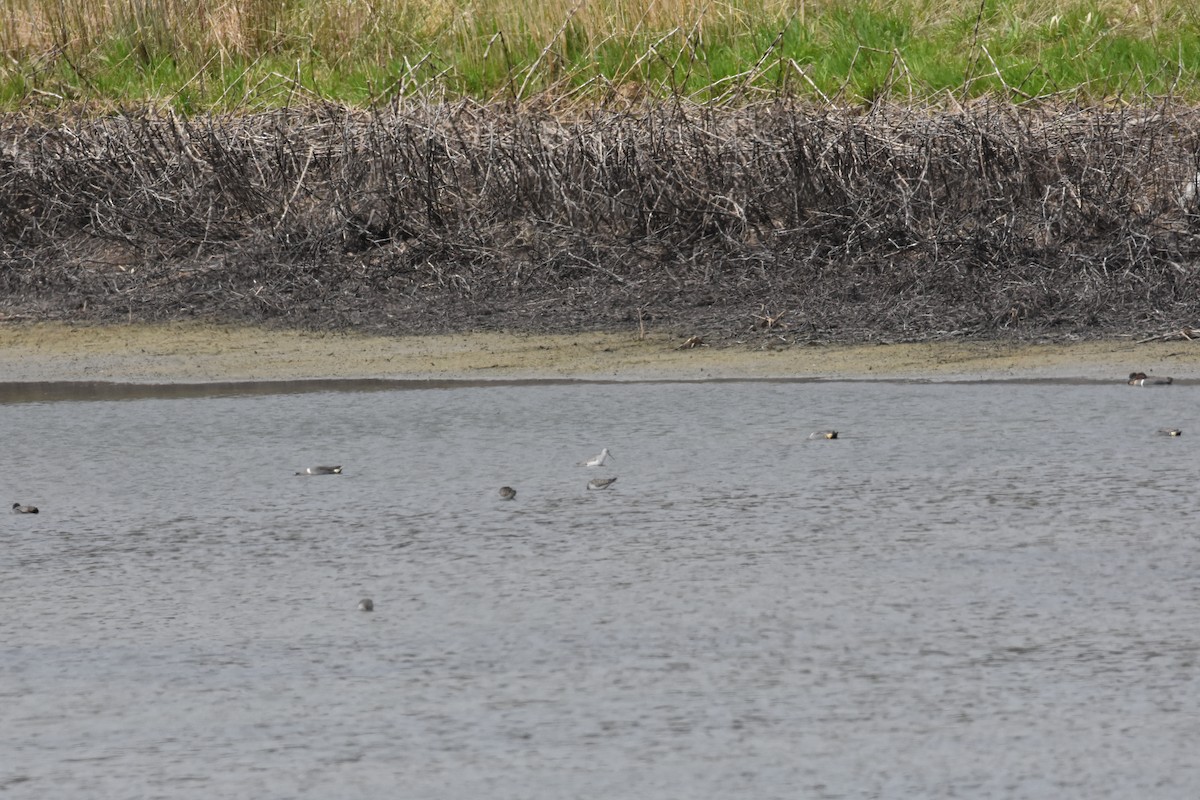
point(979, 590)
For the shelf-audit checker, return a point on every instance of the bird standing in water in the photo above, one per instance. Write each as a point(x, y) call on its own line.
point(597, 461)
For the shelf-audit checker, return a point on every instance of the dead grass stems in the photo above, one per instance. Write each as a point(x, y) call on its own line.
point(778, 220)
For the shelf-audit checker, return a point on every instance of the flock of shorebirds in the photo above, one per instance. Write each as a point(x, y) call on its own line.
point(509, 493)
point(506, 492)
point(599, 460)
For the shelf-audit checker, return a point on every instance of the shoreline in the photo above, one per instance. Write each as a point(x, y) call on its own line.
point(206, 353)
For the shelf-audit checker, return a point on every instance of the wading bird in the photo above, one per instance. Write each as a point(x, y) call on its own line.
point(599, 460)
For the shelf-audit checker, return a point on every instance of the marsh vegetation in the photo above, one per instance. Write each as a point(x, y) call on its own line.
point(777, 220)
point(783, 171)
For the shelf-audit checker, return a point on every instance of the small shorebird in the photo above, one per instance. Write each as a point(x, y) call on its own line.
point(366, 604)
point(507, 493)
point(599, 460)
point(601, 483)
point(20, 509)
point(321, 471)
point(1170, 432)
point(1142, 379)
point(823, 435)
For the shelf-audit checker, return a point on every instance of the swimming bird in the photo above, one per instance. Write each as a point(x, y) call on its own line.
point(599, 460)
point(823, 435)
point(1142, 379)
point(20, 509)
point(321, 471)
point(601, 483)
point(366, 604)
point(1170, 432)
point(507, 493)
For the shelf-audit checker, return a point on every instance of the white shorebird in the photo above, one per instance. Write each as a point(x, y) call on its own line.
point(599, 460)
point(601, 483)
point(20, 509)
point(321, 471)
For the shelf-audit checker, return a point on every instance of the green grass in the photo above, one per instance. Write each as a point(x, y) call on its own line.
point(258, 54)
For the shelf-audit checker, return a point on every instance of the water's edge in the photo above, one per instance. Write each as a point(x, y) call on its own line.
point(84, 391)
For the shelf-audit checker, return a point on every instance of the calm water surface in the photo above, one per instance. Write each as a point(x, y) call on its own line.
point(980, 590)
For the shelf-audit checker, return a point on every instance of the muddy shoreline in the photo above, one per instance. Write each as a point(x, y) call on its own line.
point(197, 353)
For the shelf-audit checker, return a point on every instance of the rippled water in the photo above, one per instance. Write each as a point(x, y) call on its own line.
point(979, 590)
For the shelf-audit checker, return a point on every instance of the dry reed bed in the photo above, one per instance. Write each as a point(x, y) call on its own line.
point(778, 220)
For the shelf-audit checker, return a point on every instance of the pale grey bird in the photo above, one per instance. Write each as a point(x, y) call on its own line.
point(597, 461)
point(366, 604)
point(321, 471)
point(507, 493)
point(20, 509)
point(601, 483)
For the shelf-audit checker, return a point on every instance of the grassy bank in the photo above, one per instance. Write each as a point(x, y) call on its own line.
point(256, 54)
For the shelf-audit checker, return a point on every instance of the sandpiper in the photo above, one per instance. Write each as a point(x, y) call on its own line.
point(366, 604)
point(1170, 432)
point(601, 483)
point(599, 460)
point(20, 509)
point(507, 493)
point(823, 435)
point(321, 471)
